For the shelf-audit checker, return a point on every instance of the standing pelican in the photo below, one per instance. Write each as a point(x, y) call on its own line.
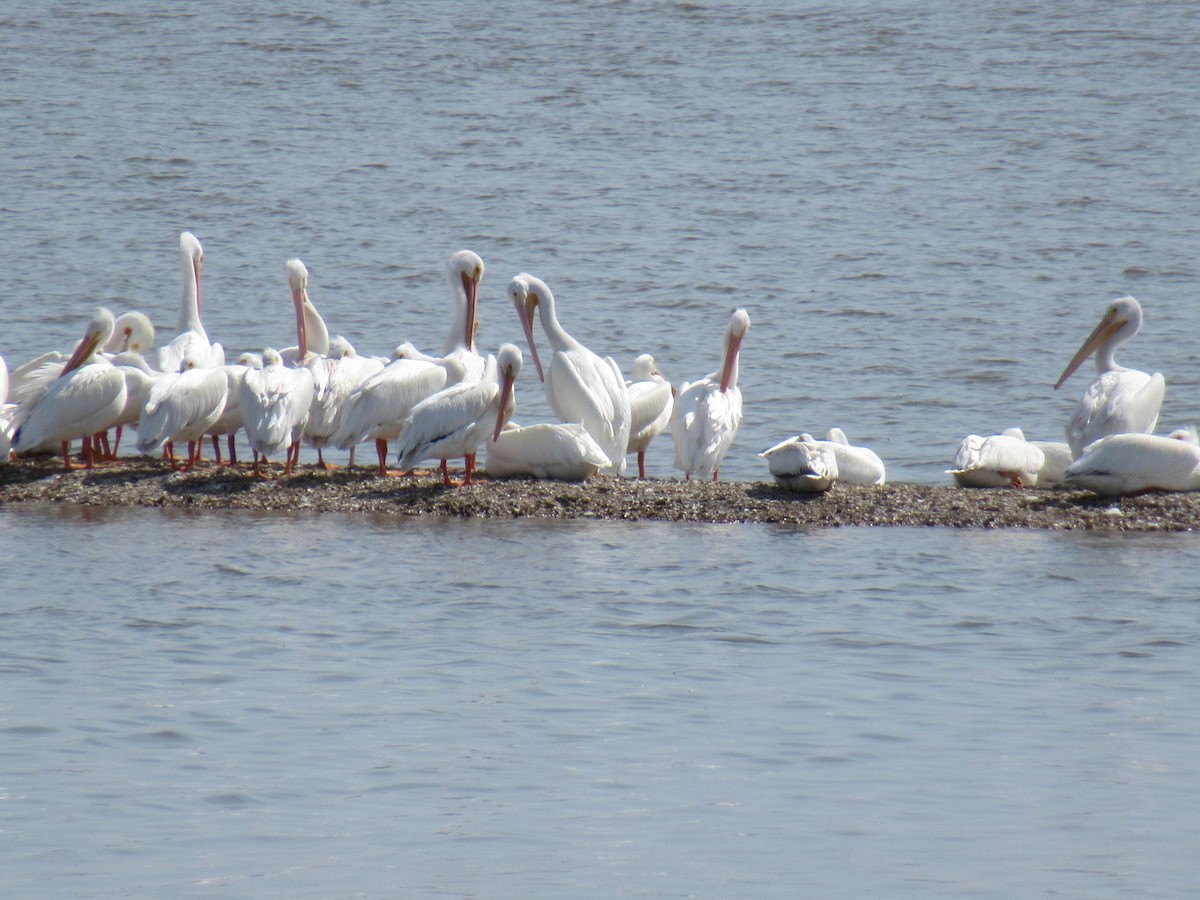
point(1137, 463)
point(182, 406)
point(335, 377)
point(85, 398)
point(580, 386)
point(455, 421)
point(650, 400)
point(1000, 460)
point(275, 401)
point(191, 338)
point(311, 332)
point(707, 413)
point(803, 463)
point(1120, 401)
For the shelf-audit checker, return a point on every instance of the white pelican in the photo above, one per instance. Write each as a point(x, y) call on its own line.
point(1136, 463)
point(1120, 401)
point(132, 333)
point(139, 378)
point(311, 332)
point(191, 338)
point(378, 407)
point(558, 451)
point(85, 398)
point(803, 463)
point(457, 420)
point(335, 377)
point(580, 386)
point(464, 271)
point(1000, 460)
point(856, 465)
point(182, 406)
point(650, 400)
point(707, 413)
point(1058, 456)
point(275, 401)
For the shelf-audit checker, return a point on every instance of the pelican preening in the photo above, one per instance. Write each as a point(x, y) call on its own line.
point(275, 401)
point(580, 386)
point(802, 463)
point(191, 339)
point(707, 413)
point(651, 399)
point(999, 460)
point(1120, 400)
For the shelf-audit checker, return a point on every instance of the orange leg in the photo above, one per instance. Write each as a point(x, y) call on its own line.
point(642, 465)
point(381, 452)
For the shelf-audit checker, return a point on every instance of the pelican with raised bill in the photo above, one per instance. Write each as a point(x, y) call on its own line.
point(456, 421)
point(1120, 400)
point(998, 460)
point(85, 398)
point(580, 386)
point(1123, 464)
point(802, 463)
point(707, 413)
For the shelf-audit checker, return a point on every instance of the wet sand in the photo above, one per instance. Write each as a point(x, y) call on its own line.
point(152, 483)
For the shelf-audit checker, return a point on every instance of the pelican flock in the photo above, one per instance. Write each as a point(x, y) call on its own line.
point(323, 393)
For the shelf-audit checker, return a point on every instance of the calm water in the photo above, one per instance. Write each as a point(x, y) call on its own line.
point(924, 207)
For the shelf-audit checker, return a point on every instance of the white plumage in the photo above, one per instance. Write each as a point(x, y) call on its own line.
point(580, 386)
point(335, 378)
point(802, 463)
point(182, 407)
point(1134, 463)
point(999, 460)
point(707, 413)
point(191, 339)
point(1120, 400)
point(558, 451)
point(651, 398)
point(275, 401)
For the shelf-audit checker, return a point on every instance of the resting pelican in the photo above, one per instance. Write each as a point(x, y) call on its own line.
point(1000, 460)
point(803, 463)
point(455, 421)
point(335, 377)
point(1136, 463)
point(650, 400)
point(275, 401)
point(230, 422)
point(558, 451)
point(85, 398)
point(139, 378)
point(707, 413)
point(191, 338)
point(311, 332)
point(1058, 457)
point(580, 386)
point(464, 272)
point(182, 406)
point(1120, 401)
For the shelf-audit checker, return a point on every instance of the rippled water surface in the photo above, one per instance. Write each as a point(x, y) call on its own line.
point(326, 706)
point(923, 206)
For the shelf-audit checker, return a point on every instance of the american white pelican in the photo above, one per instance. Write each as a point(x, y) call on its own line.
point(1120, 401)
point(335, 378)
point(191, 339)
point(1000, 460)
point(275, 401)
point(455, 421)
point(580, 386)
point(1058, 456)
point(378, 407)
point(856, 465)
point(558, 451)
point(132, 333)
point(85, 398)
point(1136, 463)
point(707, 413)
point(139, 378)
point(182, 407)
point(650, 400)
point(230, 422)
point(464, 271)
point(803, 463)
point(312, 334)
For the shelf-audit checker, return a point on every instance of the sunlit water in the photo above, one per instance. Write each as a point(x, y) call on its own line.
point(924, 207)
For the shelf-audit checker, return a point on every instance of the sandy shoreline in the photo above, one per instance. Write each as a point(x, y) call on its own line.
point(151, 483)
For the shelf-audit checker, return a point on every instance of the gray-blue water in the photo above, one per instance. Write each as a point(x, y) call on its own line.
point(924, 207)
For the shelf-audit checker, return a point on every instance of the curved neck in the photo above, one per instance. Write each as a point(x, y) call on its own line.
point(189, 305)
point(556, 335)
point(316, 334)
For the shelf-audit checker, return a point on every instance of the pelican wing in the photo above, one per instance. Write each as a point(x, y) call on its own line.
point(380, 404)
point(703, 424)
point(650, 405)
point(1124, 401)
point(441, 426)
point(181, 407)
point(80, 403)
point(1131, 463)
point(560, 452)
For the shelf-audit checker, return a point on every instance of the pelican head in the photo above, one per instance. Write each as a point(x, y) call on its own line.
point(1121, 321)
point(297, 276)
point(645, 368)
point(340, 348)
point(526, 292)
point(99, 330)
point(509, 362)
point(739, 324)
point(132, 331)
point(271, 357)
point(465, 271)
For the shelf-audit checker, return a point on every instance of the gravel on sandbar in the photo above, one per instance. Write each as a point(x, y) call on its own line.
point(135, 481)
